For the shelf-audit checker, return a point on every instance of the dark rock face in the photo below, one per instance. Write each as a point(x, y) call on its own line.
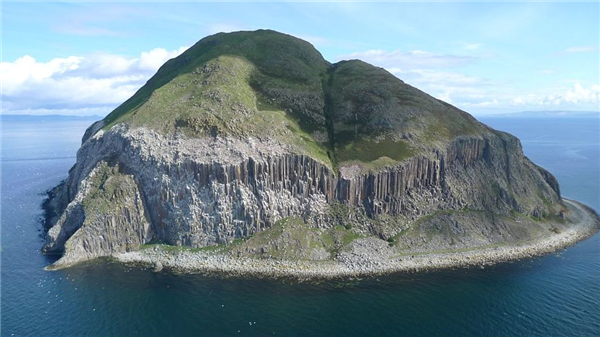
point(132, 185)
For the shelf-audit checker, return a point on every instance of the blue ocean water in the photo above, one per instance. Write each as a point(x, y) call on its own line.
point(554, 295)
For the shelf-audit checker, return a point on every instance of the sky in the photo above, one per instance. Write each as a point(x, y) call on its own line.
point(483, 57)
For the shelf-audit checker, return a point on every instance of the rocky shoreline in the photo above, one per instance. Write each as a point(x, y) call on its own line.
point(361, 262)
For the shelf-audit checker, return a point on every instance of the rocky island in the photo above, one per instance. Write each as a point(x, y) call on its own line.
point(251, 154)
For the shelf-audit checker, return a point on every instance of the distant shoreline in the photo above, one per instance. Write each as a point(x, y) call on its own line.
point(222, 264)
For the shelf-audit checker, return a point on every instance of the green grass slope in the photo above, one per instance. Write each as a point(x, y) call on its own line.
point(267, 84)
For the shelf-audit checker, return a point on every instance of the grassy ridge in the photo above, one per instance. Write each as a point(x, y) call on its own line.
point(268, 84)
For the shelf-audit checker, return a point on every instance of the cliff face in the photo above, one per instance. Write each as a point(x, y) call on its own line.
point(176, 192)
point(249, 147)
point(106, 215)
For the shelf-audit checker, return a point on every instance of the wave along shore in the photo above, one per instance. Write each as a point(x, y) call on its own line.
point(364, 262)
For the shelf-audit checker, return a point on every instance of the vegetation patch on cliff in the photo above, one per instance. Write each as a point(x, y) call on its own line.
point(466, 229)
point(109, 189)
point(289, 239)
point(292, 238)
point(373, 154)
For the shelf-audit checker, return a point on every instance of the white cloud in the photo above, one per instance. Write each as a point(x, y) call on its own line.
point(414, 59)
point(580, 49)
point(26, 69)
point(578, 94)
point(575, 98)
point(78, 84)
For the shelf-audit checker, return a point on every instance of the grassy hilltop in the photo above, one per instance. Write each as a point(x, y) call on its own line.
point(268, 84)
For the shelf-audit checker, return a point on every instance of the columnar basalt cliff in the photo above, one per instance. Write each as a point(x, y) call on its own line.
point(248, 129)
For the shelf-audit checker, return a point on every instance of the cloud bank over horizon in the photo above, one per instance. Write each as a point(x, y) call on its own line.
point(484, 58)
point(97, 83)
point(77, 85)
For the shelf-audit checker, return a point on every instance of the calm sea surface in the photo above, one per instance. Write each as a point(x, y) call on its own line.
point(555, 295)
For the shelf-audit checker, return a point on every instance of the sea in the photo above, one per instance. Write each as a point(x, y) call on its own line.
point(554, 295)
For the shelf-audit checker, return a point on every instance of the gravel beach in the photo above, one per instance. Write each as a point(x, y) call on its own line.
point(369, 256)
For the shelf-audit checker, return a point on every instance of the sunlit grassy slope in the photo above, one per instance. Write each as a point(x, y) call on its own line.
point(267, 84)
